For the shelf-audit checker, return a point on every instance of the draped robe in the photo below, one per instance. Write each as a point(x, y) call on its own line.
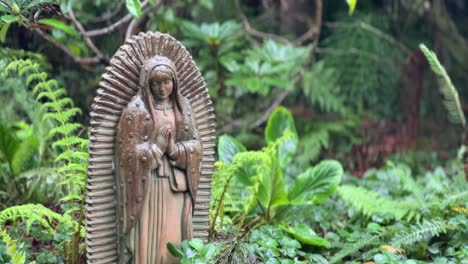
point(155, 204)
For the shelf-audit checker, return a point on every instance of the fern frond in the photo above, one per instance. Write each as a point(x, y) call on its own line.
point(446, 88)
point(418, 232)
point(69, 155)
point(36, 77)
point(351, 248)
point(58, 105)
point(12, 67)
point(13, 249)
point(32, 213)
point(66, 129)
point(73, 167)
point(68, 141)
point(370, 203)
point(62, 117)
point(26, 68)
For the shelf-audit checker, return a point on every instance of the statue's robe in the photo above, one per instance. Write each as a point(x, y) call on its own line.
point(155, 205)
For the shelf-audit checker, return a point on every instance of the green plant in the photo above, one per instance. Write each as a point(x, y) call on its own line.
point(271, 65)
point(72, 158)
point(446, 88)
point(195, 251)
point(13, 249)
point(266, 197)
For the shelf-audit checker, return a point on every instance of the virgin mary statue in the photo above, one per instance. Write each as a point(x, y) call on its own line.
point(157, 164)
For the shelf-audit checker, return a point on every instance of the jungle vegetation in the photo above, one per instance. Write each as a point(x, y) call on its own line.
point(341, 126)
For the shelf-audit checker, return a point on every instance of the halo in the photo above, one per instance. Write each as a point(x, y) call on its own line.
point(119, 84)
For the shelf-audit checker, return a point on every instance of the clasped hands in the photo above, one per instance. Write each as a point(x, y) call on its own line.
point(165, 144)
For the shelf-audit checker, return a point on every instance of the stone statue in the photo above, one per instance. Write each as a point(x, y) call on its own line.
point(151, 154)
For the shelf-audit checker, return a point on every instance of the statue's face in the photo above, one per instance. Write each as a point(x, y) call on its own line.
point(161, 85)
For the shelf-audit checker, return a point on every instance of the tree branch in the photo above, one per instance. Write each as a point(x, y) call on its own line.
point(114, 26)
point(254, 32)
point(135, 22)
point(81, 61)
point(86, 38)
point(108, 16)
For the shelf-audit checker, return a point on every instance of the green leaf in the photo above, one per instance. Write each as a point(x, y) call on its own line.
point(447, 89)
point(152, 2)
point(3, 32)
point(279, 122)
point(228, 147)
point(134, 7)
point(175, 250)
point(197, 244)
point(272, 188)
point(9, 18)
point(352, 6)
point(317, 183)
point(60, 25)
point(4, 8)
point(37, 2)
point(306, 235)
point(280, 127)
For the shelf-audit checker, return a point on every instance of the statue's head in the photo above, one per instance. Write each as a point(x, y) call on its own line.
point(161, 82)
point(158, 74)
point(158, 78)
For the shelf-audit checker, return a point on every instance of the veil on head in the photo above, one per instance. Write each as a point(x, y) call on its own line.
point(145, 79)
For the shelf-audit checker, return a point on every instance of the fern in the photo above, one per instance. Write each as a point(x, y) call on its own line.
point(418, 232)
point(370, 203)
point(60, 111)
point(446, 88)
point(9, 54)
point(219, 186)
point(33, 213)
point(351, 248)
point(320, 86)
point(13, 249)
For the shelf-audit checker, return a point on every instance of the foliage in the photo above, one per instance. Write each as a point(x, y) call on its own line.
point(364, 77)
point(195, 251)
point(59, 110)
point(446, 87)
point(371, 204)
point(272, 65)
point(260, 174)
point(13, 249)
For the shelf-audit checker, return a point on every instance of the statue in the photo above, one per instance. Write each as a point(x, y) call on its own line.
point(151, 154)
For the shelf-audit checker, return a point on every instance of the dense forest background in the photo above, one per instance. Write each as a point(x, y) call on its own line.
point(342, 80)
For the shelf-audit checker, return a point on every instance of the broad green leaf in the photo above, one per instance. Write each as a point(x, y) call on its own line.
point(59, 25)
point(317, 183)
point(3, 32)
point(4, 8)
point(272, 189)
point(9, 18)
point(280, 121)
point(306, 235)
point(352, 6)
point(197, 244)
point(175, 250)
point(152, 2)
point(134, 7)
point(228, 147)
point(280, 126)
